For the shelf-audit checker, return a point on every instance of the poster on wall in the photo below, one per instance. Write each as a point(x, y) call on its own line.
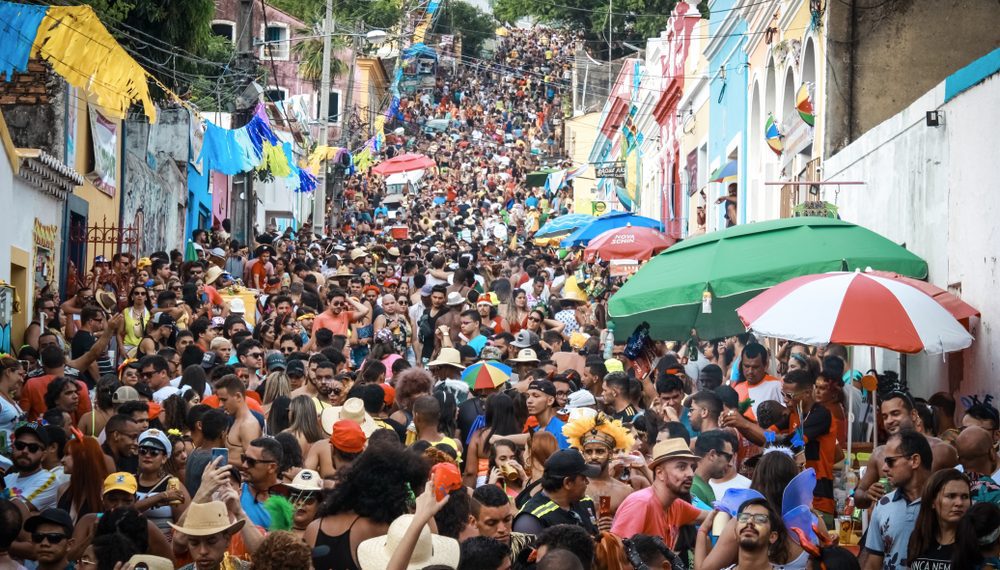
point(104, 133)
point(7, 299)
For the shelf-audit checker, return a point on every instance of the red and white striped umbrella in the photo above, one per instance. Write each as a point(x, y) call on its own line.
point(858, 309)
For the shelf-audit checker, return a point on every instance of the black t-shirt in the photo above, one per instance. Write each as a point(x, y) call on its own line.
point(937, 557)
point(83, 341)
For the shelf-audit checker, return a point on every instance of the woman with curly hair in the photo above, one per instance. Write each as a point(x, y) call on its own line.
point(369, 494)
point(410, 385)
point(282, 550)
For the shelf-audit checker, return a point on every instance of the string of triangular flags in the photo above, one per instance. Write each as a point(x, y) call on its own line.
point(253, 146)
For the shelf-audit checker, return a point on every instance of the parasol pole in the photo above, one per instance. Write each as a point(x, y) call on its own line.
point(848, 463)
point(874, 404)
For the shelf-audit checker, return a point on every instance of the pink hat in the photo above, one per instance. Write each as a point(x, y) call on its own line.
point(389, 361)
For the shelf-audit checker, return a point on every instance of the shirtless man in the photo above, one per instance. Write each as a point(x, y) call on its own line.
point(598, 451)
point(232, 396)
point(898, 413)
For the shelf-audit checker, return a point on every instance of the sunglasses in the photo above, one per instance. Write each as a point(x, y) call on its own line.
point(891, 460)
point(255, 354)
point(147, 375)
point(534, 319)
point(151, 451)
point(50, 537)
point(250, 462)
point(31, 447)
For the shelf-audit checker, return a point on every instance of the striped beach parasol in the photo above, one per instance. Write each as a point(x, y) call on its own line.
point(486, 374)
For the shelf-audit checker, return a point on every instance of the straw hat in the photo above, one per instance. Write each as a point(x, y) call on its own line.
point(205, 519)
point(448, 357)
point(151, 562)
point(673, 448)
point(525, 355)
point(107, 301)
point(455, 298)
point(353, 410)
point(431, 549)
point(358, 253)
point(213, 273)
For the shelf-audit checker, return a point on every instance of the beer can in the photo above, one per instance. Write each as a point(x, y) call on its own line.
point(173, 485)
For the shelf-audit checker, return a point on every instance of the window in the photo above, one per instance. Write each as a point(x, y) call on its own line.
point(275, 94)
point(334, 116)
point(224, 29)
point(275, 42)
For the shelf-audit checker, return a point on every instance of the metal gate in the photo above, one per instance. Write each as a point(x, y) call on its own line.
point(104, 239)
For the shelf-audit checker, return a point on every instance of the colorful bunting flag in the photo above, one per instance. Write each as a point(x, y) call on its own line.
point(18, 28)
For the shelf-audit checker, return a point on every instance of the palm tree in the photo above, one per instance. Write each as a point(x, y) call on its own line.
point(309, 53)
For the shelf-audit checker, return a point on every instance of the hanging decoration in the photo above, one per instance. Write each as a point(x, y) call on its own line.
point(80, 49)
point(804, 103)
point(773, 136)
point(18, 28)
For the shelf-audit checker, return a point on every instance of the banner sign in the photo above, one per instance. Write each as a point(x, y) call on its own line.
point(105, 135)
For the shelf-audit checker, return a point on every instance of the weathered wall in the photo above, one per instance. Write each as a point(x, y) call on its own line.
point(30, 102)
point(159, 194)
point(904, 48)
point(933, 189)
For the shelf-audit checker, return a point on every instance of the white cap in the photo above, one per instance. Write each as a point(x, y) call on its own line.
point(580, 399)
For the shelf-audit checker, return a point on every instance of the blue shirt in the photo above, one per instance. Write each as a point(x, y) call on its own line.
point(477, 343)
point(892, 523)
point(255, 510)
point(555, 427)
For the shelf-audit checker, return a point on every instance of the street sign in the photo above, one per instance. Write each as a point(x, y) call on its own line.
point(609, 170)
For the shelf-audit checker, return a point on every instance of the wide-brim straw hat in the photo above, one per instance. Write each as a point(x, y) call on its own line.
point(431, 549)
point(354, 410)
point(205, 519)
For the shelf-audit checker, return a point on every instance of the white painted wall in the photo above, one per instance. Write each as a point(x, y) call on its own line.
point(935, 190)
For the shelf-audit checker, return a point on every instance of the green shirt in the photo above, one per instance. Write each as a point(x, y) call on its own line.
point(701, 489)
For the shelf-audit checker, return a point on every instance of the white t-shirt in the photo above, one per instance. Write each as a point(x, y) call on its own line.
point(39, 488)
point(737, 482)
point(10, 415)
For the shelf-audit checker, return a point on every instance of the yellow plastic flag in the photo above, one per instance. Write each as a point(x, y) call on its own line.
point(320, 154)
point(275, 160)
point(80, 49)
point(363, 159)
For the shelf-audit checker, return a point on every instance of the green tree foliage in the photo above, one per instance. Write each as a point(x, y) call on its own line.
point(383, 14)
point(309, 52)
point(633, 20)
point(476, 26)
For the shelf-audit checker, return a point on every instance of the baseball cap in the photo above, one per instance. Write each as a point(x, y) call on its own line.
point(54, 516)
point(218, 322)
point(348, 437)
point(569, 463)
point(158, 438)
point(163, 320)
point(208, 360)
point(120, 481)
point(543, 386)
point(525, 339)
point(35, 429)
point(295, 368)
point(275, 361)
point(614, 365)
point(125, 394)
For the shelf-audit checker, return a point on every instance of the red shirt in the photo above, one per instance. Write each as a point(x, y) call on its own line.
point(33, 398)
point(642, 513)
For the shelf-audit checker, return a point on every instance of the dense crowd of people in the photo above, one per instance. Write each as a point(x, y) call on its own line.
point(426, 387)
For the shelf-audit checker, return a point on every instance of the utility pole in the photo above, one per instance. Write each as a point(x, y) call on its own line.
point(319, 203)
point(243, 199)
point(346, 119)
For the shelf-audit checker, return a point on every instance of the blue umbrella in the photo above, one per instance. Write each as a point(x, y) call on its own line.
point(609, 221)
point(563, 224)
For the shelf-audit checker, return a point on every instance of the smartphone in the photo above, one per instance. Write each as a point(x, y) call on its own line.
point(221, 452)
point(604, 506)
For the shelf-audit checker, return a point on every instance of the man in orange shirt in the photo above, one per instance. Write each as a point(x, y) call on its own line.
point(53, 361)
point(335, 318)
point(756, 384)
point(819, 432)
